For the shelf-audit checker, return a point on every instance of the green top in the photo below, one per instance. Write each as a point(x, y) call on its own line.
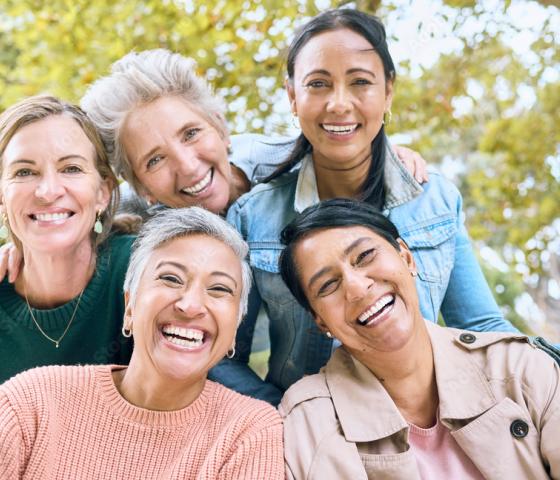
point(94, 337)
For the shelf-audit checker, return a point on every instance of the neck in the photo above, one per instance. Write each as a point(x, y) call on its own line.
point(344, 182)
point(155, 392)
point(52, 280)
point(408, 376)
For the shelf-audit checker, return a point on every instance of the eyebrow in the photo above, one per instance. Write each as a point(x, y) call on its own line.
point(181, 267)
point(346, 252)
point(178, 132)
point(26, 161)
point(350, 71)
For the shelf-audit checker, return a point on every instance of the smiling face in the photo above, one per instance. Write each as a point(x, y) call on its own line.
point(186, 308)
point(360, 288)
point(177, 156)
point(339, 94)
point(50, 188)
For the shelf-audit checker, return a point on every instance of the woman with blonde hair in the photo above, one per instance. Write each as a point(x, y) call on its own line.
point(57, 199)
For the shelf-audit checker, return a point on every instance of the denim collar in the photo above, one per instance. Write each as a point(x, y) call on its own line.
point(367, 412)
point(401, 185)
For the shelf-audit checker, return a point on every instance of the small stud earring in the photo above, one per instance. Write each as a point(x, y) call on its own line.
point(98, 226)
point(329, 334)
point(414, 273)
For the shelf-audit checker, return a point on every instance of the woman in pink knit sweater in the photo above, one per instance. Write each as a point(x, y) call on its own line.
point(159, 418)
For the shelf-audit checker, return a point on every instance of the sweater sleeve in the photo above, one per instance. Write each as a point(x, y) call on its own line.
point(260, 454)
point(11, 441)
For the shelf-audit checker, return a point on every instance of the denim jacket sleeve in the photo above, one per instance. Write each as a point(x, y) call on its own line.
point(468, 302)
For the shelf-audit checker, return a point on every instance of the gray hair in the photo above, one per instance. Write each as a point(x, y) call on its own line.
point(140, 78)
point(179, 222)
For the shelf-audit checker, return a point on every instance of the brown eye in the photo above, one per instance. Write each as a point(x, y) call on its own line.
point(365, 257)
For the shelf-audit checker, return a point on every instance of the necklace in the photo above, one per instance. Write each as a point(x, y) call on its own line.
point(56, 342)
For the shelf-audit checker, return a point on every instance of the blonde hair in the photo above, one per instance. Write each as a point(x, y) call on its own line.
point(140, 78)
point(37, 108)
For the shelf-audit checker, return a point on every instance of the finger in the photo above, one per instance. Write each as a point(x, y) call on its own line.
point(14, 263)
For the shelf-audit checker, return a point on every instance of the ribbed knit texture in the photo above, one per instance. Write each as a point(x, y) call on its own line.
point(95, 334)
point(71, 423)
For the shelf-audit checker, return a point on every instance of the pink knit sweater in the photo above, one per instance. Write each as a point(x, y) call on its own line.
point(72, 423)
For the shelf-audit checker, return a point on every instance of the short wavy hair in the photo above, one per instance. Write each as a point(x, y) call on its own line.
point(139, 78)
point(174, 223)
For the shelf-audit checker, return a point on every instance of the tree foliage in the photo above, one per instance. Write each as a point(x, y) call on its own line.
point(481, 106)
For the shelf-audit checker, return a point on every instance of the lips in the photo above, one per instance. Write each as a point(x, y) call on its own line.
point(51, 217)
point(200, 186)
point(373, 313)
point(340, 129)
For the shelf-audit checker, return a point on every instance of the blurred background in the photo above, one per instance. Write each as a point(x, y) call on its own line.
point(477, 94)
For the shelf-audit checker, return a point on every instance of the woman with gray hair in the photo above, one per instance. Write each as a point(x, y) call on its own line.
point(186, 290)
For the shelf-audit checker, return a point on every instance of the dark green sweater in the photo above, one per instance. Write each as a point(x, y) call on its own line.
point(95, 334)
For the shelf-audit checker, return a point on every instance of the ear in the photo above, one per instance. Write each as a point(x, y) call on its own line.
point(388, 95)
point(406, 255)
point(320, 323)
point(103, 195)
point(291, 95)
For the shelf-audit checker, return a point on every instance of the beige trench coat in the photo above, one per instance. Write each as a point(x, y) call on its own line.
point(499, 396)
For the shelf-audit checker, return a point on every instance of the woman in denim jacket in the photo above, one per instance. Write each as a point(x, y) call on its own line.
point(340, 86)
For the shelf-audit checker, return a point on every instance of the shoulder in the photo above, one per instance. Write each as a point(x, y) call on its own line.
point(304, 391)
point(440, 191)
point(273, 201)
point(259, 155)
point(504, 358)
point(242, 410)
point(37, 387)
point(250, 144)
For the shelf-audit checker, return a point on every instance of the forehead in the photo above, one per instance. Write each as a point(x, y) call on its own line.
point(197, 253)
point(167, 111)
point(343, 43)
point(331, 244)
point(55, 136)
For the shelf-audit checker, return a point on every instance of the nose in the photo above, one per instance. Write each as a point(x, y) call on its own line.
point(356, 285)
point(49, 187)
point(190, 303)
point(340, 100)
point(186, 160)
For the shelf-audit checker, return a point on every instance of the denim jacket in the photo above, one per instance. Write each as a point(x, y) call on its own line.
point(430, 220)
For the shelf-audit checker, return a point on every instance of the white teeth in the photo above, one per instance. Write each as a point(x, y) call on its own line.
point(185, 337)
point(379, 305)
point(340, 129)
point(186, 333)
point(197, 188)
point(51, 217)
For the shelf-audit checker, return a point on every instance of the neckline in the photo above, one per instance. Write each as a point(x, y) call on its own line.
point(53, 319)
point(121, 408)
